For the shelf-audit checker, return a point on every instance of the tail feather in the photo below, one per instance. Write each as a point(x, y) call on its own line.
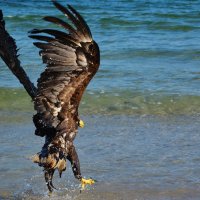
point(8, 53)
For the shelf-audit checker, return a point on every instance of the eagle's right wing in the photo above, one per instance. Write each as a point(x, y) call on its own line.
point(8, 53)
point(72, 59)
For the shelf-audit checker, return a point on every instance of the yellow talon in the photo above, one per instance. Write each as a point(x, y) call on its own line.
point(84, 182)
point(81, 123)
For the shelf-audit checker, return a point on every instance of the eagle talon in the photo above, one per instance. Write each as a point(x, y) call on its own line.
point(85, 182)
point(51, 184)
point(48, 174)
point(50, 187)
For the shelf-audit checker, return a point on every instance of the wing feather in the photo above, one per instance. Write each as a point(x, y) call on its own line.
point(53, 47)
point(57, 34)
point(72, 60)
point(84, 25)
point(9, 54)
point(61, 23)
point(67, 13)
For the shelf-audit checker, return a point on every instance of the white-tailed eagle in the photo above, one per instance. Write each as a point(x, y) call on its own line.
point(72, 58)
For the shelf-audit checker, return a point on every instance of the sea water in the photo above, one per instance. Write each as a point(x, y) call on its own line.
point(141, 110)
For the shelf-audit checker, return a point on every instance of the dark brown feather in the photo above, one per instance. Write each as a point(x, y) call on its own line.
point(61, 23)
point(84, 25)
point(57, 34)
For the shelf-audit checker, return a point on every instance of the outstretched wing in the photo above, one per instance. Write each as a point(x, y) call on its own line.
point(9, 54)
point(72, 59)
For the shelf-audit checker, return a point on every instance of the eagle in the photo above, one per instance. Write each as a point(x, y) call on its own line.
point(72, 58)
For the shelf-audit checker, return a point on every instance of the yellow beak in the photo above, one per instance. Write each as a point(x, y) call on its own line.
point(81, 124)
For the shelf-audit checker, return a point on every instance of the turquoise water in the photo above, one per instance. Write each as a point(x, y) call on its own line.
point(150, 48)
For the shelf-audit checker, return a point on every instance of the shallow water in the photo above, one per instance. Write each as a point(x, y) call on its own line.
point(144, 157)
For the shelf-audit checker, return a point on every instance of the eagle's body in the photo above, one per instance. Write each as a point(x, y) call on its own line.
point(72, 59)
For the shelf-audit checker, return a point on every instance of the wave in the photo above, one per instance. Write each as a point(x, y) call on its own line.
point(120, 102)
point(120, 54)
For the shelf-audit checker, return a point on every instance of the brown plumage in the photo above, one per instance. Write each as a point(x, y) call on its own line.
point(72, 58)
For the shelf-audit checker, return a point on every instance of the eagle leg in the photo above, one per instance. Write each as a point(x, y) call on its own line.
point(50, 160)
point(73, 158)
point(48, 174)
